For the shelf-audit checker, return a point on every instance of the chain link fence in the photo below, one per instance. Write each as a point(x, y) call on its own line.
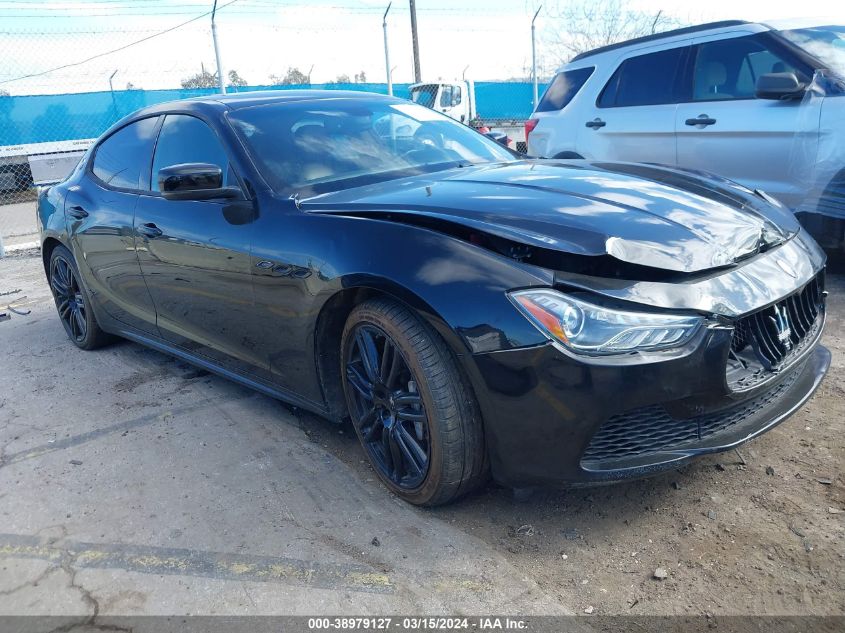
point(58, 92)
point(62, 85)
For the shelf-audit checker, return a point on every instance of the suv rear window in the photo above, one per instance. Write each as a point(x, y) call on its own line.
point(645, 80)
point(563, 88)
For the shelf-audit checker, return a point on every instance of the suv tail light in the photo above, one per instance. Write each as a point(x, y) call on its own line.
point(530, 124)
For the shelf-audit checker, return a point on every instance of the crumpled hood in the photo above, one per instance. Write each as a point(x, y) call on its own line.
point(640, 214)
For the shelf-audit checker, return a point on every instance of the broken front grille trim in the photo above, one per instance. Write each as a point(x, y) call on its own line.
point(769, 340)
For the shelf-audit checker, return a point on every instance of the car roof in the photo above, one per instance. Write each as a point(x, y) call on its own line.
point(657, 37)
point(246, 99)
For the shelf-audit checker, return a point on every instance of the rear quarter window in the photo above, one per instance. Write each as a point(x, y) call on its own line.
point(123, 159)
point(563, 88)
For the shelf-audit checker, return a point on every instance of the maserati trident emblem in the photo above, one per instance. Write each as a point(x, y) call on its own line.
point(781, 321)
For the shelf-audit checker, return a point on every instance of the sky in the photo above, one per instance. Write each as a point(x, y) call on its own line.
point(481, 39)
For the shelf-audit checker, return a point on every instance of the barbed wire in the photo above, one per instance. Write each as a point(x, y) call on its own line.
point(65, 80)
point(120, 48)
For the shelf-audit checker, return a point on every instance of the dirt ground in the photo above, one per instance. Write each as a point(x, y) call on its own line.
point(164, 461)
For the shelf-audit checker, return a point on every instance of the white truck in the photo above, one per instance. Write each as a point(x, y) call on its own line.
point(22, 166)
point(456, 99)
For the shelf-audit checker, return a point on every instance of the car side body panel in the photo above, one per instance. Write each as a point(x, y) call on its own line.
point(301, 260)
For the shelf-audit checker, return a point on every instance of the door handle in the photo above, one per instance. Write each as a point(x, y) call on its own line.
point(595, 123)
point(149, 230)
point(702, 120)
point(77, 212)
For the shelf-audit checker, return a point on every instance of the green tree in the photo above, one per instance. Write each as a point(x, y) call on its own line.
point(202, 79)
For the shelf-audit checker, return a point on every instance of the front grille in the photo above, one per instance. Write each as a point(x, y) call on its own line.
point(652, 430)
point(777, 331)
point(771, 339)
point(764, 345)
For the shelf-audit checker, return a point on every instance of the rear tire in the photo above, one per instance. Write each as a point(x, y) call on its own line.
point(73, 302)
point(410, 405)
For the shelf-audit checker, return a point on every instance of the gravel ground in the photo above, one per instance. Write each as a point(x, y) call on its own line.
point(173, 492)
point(18, 219)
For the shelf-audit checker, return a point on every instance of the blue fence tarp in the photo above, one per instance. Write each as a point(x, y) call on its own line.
point(63, 117)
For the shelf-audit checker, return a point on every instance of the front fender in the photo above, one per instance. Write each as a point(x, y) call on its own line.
point(457, 286)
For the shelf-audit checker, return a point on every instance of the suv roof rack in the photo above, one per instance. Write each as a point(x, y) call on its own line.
point(660, 36)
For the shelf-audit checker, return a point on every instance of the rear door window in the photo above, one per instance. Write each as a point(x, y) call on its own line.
point(650, 79)
point(122, 160)
point(563, 88)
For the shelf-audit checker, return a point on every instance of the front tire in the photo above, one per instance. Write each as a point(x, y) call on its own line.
point(73, 302)
point(410, 405)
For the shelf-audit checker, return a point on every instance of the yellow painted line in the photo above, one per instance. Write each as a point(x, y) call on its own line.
point(222, 566)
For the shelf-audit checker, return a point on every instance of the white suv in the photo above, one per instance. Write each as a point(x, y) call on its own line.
point(763, 105)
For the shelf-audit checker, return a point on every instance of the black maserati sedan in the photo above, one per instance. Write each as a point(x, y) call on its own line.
point(475, 313)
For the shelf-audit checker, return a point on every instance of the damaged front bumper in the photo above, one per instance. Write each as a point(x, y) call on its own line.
point(556, 417)
point(551, 420)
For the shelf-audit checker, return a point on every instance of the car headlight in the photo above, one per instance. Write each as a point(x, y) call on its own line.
point(586, 328)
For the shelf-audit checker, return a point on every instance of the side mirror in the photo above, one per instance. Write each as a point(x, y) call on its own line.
point(779, 86)
point(194, 181)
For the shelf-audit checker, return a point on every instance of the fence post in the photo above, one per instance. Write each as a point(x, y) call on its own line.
point(386, 52)
point(221, 74)
point(534, 58)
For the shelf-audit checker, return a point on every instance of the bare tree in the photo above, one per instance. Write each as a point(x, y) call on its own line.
point(293, 77)
point(206, 79)
point(576, 26)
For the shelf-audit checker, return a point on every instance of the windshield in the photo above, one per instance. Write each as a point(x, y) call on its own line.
point(825, 43)
point(311, 147)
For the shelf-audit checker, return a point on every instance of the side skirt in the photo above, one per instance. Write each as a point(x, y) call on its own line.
point(198, 361)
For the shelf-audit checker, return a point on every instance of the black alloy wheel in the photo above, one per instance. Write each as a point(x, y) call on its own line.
point(411, 405)
point(73, 303)
point(389, 413)
point(69, 299)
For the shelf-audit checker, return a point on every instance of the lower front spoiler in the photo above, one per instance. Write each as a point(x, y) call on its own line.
point(542, 410)
point(805, 385)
